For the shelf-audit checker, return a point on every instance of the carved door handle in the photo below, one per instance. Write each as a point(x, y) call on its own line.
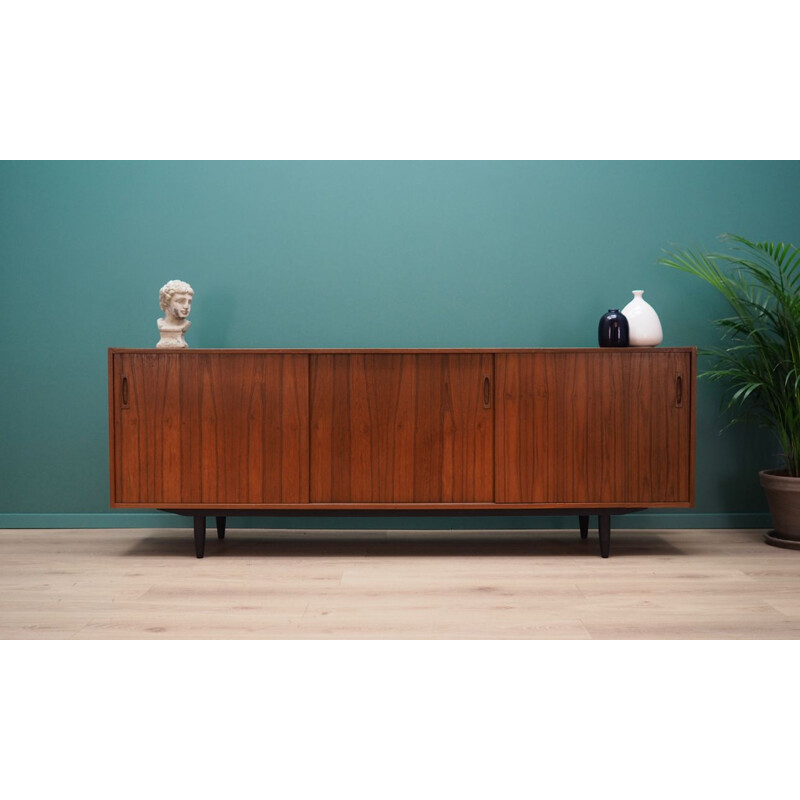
point(125, 397)
point(487, 392)
point(679, 391)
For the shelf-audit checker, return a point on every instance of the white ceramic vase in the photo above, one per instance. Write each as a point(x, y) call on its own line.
point(644, 326)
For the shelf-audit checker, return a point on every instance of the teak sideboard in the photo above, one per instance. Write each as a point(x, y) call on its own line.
point(346, 432)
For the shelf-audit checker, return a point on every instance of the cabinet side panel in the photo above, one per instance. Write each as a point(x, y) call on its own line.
point(113, 429)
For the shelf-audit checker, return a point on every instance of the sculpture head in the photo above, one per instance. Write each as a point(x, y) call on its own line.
point(175, 298)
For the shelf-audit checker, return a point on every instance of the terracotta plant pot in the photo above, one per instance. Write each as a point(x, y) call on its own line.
point(783, 497)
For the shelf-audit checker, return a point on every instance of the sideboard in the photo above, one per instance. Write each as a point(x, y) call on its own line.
point(434, 432)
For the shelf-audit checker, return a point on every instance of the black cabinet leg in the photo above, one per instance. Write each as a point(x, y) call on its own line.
point(221, 527)
point(583, 521)
point(604, 525)
point(199, 536)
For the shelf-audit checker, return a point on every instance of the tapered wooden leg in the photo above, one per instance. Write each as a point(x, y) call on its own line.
point(583, 521)
point(199, 536)
point(604, 525)
point(221, 527)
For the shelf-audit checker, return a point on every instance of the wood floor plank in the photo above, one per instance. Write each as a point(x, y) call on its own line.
point(146, 584)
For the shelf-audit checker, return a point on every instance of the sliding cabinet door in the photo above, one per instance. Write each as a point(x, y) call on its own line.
point(401, 428)
point(591, 427)
point(211, 429)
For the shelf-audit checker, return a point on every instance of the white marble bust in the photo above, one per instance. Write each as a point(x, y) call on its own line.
point(176, 303)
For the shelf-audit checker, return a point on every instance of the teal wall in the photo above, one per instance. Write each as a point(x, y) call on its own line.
point(330, 254)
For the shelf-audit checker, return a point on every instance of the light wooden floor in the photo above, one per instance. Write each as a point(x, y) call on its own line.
point(146, 584)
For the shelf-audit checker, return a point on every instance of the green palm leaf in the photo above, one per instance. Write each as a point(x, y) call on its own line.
point(759, 362)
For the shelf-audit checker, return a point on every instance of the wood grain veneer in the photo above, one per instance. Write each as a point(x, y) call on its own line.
point(209, 428)
point(401, 428)
point(594, 428)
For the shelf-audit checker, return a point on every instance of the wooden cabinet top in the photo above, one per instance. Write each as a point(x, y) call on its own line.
point(404, 350)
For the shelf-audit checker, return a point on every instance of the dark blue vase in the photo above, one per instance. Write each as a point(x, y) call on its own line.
point(613, 330)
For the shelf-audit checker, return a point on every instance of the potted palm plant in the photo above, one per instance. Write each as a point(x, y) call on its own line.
point(758, 360)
